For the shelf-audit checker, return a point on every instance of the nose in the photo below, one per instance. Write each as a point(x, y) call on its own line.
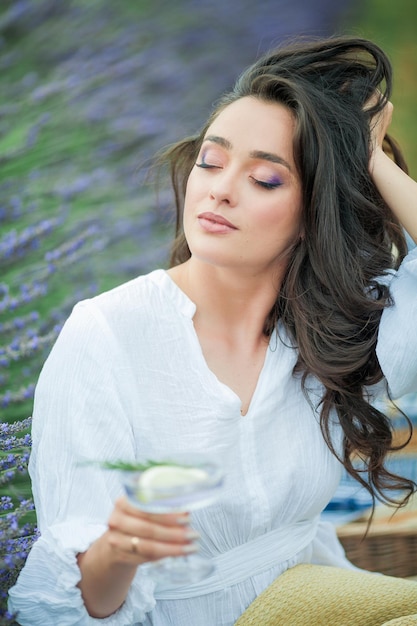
point(223, 188)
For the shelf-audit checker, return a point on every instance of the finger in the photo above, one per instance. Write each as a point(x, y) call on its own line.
point(372, 100)
point(145, 529)
point(385, 116)
point(137, 550)
point(166, 519)
point(130, 521)
point(149, 550)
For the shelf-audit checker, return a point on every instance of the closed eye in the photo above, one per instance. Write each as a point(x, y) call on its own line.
point(207, 166)
point(267, 185)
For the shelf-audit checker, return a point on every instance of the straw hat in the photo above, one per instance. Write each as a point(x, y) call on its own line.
point(320, 595)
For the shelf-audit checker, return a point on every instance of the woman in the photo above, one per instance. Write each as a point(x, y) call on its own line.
point(287, 301)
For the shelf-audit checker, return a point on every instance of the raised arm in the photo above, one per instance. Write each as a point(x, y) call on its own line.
point(395, 186)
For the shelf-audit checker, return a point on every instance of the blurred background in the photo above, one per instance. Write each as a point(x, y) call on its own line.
point(89, 91)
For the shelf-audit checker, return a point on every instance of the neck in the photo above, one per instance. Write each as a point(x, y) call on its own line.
point(228, 302)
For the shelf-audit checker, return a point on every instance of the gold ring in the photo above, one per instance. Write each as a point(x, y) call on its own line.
point(134, 542)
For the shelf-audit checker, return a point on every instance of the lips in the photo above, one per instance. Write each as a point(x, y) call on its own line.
point(216, 220)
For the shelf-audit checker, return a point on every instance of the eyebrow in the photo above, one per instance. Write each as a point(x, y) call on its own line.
point(255, 154)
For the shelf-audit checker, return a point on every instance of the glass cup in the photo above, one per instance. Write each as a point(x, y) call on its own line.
point(177, 484)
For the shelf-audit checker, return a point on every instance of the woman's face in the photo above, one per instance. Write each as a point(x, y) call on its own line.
point(244, 199)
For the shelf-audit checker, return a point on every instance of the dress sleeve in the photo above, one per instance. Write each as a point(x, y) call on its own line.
point(79, 416)
point(397, 338)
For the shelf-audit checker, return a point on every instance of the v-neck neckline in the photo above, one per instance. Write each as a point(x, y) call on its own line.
point(225, 386)
point(188, 308)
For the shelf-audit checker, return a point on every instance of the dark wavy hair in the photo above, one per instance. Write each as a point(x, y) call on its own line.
point(330, 300)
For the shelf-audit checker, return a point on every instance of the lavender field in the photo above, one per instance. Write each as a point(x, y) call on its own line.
point(89, 91)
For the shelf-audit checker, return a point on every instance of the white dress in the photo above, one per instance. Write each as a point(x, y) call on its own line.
point(127, 375)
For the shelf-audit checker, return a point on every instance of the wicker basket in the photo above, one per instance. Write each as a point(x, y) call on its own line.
point(390, 547)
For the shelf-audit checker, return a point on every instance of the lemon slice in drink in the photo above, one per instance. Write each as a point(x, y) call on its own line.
point(162, 481)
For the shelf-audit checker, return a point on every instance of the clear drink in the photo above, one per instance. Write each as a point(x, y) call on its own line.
point(180, 484)
point(168, 488)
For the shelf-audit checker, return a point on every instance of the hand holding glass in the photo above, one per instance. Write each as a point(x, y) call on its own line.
point(176, 485)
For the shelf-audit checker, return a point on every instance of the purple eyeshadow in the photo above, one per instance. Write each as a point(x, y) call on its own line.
point(274, 181)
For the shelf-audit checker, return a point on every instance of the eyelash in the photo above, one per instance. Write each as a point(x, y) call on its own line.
point(260, 183)
point(207, 166)
point(266, 185)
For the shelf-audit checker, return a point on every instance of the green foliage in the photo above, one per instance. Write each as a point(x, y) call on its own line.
point(393, 25)
point(71, 202)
